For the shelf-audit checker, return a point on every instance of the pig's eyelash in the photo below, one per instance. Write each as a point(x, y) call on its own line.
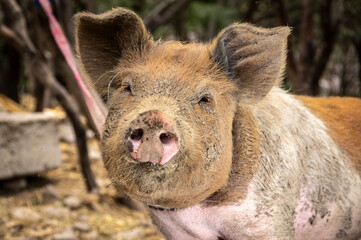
point(108, 90)
point(110, 83)
point(204, 92)
point(101, 76)
point(114, 78)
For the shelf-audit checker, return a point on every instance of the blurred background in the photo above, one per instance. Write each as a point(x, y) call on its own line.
point(52, 181)
point(324, 48)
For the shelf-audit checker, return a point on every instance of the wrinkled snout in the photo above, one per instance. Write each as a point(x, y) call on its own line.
point(153, 138)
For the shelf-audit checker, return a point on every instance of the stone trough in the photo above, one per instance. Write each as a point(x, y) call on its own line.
point(29, 144)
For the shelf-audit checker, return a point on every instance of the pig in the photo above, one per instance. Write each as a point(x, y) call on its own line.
point(205, 137)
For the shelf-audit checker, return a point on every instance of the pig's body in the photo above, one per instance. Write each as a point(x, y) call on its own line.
point(297, 194)
point(204, 133)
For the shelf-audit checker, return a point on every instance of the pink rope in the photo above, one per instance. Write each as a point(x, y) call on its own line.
point(97, 115)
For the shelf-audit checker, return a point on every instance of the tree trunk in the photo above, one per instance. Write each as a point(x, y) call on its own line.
point(330, 32)
point(179, 22)
point(357, 45)
point(252, 7)
point(306, 49)
point(11, 70)
point(292, 70)
point(10, 76)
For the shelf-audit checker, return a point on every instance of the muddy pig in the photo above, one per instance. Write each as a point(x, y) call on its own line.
point(204, 136)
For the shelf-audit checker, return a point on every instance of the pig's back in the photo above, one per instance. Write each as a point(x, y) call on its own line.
point(342, 117)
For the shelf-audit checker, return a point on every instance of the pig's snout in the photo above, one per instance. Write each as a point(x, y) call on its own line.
point(153, 138)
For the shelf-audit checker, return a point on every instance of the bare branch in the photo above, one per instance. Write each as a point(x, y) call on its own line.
point(156, 12)
point(41, 71)
point(11, 37)
point(164, 12)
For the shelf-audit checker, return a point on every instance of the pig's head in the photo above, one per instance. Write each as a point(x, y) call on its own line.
point(167, 139)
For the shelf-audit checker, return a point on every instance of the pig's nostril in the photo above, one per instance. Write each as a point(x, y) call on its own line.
point(137, 134)
point(166, 138)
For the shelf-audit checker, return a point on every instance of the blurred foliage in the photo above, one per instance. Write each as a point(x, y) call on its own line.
point(201, 20)
point(198, 21)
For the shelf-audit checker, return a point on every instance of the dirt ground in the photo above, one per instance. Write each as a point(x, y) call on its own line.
point(55, 205)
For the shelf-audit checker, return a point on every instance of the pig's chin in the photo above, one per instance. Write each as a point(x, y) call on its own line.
point(182, 182)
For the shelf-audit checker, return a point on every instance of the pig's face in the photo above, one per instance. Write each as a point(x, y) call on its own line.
point(168, 136)
point(173, 89)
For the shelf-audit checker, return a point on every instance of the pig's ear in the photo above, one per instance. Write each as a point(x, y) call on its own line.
point(254, 58)
point(103, 40)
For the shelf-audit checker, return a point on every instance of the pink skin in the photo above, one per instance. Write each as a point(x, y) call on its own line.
point(310, 224)
point(242, 220)
point(238, 221)
point(153, 138)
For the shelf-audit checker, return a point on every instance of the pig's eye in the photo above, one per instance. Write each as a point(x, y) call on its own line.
point(206, 103)
point(126, 87)
point(207, 98)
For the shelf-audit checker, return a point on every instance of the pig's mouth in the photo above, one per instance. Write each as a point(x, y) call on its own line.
point(154, 168)
point(162, 208)
point(182, 182)
point(178, 184)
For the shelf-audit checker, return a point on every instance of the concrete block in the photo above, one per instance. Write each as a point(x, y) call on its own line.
point(28, 144)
